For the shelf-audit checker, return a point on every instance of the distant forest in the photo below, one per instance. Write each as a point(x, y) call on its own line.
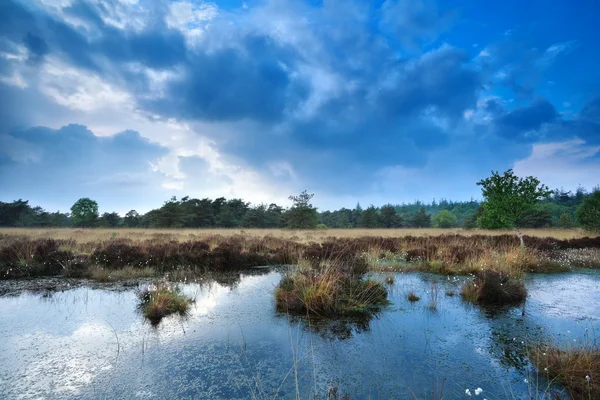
point(557, 210)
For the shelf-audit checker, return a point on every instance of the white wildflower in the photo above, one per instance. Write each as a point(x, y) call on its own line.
point(478, 391)
point(468, 392)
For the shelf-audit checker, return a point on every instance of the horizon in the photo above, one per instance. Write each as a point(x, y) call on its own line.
point(130, 103)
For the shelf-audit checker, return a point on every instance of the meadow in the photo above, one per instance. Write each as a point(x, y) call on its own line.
point(101, 234)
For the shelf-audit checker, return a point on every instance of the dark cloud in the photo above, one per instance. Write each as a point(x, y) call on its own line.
point(230, 84)
point(441, 78)
point(521, 121)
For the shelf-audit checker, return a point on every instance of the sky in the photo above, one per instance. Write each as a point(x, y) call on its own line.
point(130, 102)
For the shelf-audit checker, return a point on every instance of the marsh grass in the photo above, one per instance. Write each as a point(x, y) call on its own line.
point(67, 251)
point(328, 290)
point(160, 300)
point(494, 288)
point(577, 368)
point(101, 274)
point(412, 297)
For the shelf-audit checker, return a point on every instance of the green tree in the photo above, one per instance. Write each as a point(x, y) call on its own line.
point(369, 218)
point(565, 221)
point(226, 218)
point(109, 220)
point(302, 215)
point(85, 212)
point(588, 213)
point(389, 218)
point(444, 219)
point(421, 219)
point(507, 198)
point(132, 219)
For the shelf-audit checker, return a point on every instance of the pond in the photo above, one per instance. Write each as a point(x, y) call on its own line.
point(92, 342)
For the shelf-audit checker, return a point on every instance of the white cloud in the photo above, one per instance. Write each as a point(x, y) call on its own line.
point(562, 164)
point(557, 49)
point(191, 18)
point(80, 90)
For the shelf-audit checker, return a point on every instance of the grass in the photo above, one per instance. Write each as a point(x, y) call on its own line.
point(182, 235)
point(577, 368)
point(101, 274)
point(158, 301)
point(328, 290)
point(494, 288)
point(412, 297)
point(35, 252)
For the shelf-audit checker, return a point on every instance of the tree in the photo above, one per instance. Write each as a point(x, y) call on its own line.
point(10, 213)
point(302, 215)
point(565, 221)
point(109, 220)
point(421, 219)
point(389, 218)
point(507, 198)
point(588, 213)
point(85, 212)
point(444, 219)
point(132, 219)
point(369, 218)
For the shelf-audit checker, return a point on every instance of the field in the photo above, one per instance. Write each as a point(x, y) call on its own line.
point(303, 236)
point(81, 252)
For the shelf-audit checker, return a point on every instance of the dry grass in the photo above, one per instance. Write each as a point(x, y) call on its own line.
point(102, 234)
point(158, 301)
point(494, 288)
point(576, 368)
point(328, 290)
point(101, 274)
point(70, 250)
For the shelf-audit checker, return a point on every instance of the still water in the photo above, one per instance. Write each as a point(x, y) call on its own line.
point(90, 342)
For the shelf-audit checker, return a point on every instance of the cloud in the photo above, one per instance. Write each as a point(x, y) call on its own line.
point(523, 121)
point(413, 22)
point(341, 98)
point(71, 162)
point(566, 164)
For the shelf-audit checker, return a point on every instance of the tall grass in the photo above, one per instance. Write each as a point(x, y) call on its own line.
point(328, 290)
point(577, 368)
point(162, 299)
point(444, 254)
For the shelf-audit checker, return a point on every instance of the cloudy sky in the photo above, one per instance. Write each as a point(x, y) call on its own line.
point(130, 102)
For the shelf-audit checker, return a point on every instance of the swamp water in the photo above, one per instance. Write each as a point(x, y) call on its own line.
point(92, 343)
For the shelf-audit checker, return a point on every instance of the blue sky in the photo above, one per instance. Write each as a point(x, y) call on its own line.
point(130, 102)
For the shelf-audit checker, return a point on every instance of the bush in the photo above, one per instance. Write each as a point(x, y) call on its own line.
point(588, 213)
point(321, 226)
point(494, 288)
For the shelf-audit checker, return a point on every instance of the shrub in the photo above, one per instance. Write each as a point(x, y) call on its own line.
point(321, 226)
point(494, 288)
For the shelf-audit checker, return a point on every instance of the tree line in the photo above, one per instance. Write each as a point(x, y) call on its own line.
point(508, 202)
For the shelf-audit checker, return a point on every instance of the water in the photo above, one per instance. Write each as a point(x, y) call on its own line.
point(91, 342)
